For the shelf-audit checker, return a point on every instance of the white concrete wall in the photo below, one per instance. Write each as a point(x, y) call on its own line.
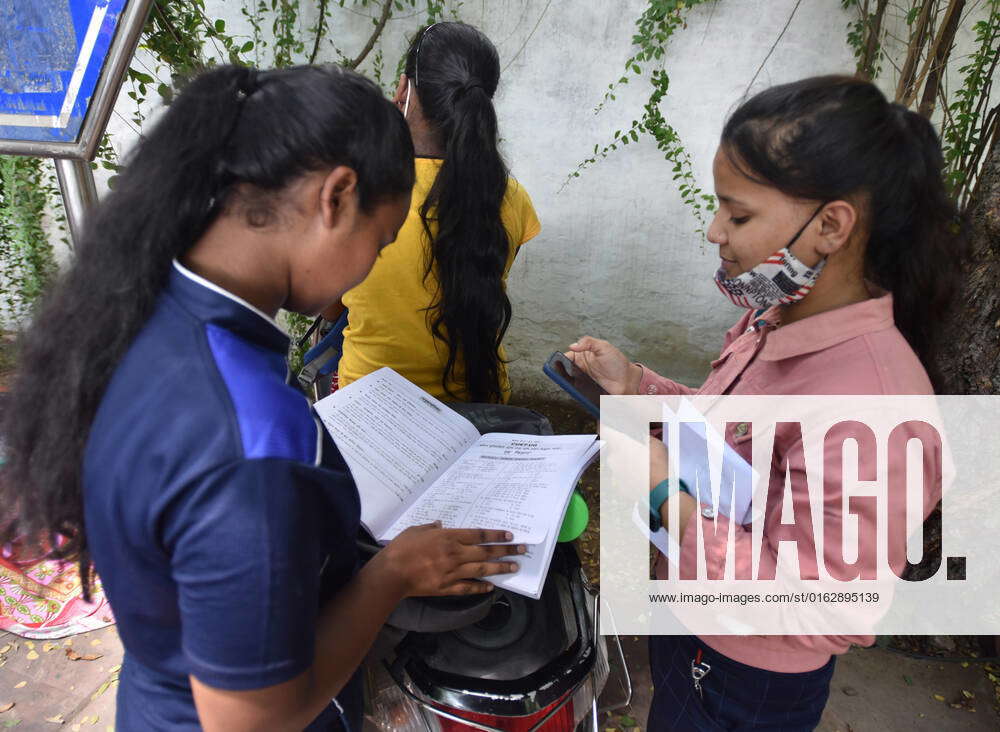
point(618, 256)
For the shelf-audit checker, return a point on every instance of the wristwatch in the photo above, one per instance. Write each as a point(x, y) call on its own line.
point(663, 490)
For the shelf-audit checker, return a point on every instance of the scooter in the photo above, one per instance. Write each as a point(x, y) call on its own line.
point(501, 661)
point(498, 662)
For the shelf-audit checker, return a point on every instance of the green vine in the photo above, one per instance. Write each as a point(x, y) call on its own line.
point(288, 44)
point(654, 28)
point(969, 123)
point(864, 35)
point(26, 258)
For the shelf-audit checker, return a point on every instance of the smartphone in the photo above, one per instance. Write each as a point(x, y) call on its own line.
point(575, 382)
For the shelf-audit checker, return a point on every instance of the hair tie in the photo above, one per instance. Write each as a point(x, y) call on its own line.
point(248, 84)
point(466, 88)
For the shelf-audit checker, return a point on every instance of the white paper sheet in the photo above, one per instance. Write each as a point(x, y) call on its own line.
point(534, 566)
point(395, 438)
point(508, 482)
point(415, 461)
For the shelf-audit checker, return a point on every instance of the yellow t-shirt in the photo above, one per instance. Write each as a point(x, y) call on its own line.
point(388, 323)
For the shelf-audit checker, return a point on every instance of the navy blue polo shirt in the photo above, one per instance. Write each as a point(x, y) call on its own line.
point(214, 501)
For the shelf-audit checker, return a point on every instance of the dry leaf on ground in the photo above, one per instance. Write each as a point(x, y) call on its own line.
point(74, 656)
point(6, 707)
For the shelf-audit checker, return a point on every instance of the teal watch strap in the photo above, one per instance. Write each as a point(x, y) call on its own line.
point(663, 490)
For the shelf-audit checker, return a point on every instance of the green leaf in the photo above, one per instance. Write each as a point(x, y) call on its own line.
point(248, 46)
point(220, 25)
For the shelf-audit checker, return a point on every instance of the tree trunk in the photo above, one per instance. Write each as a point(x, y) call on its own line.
point(970, 360)
point(868, 61)
point(918, 39)
point(942, 52)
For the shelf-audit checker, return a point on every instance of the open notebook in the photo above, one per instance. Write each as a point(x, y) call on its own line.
point(415, 461)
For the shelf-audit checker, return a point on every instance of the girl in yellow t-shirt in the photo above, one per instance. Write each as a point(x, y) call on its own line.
point(435, 306)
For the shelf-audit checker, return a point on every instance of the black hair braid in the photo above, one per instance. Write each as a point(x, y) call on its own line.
point(457, 70)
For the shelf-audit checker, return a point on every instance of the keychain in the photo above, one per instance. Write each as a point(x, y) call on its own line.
point(699, 670)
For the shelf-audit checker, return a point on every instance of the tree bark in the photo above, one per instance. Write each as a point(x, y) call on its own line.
point(872, 45)
point(970, 360)
point(942, 51)
point(379, 27)
point(918, 40)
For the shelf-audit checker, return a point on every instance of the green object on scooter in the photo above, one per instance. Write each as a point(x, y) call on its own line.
point(576, 518)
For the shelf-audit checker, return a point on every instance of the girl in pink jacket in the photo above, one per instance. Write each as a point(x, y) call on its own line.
point(853, 184)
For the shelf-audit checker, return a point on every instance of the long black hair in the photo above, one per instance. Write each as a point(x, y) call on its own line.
point(229, 126)
point(832, 137)
point(455, 70)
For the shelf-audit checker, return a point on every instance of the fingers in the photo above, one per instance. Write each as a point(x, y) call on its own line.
point(472, 570)
point(427, 527)
point(469, 587)
point(481, 536)
point(587, 343)
point(475, 553)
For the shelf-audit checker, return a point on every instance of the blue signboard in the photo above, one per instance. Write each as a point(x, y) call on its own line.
point(51, 56)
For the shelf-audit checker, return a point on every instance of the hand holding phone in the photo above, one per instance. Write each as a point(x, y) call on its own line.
point(575, 382)
point(606, 364)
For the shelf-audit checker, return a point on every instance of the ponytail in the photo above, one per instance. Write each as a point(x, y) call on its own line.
point(832, 137)
point(457, 70)
point(222, 130)
point(926, 238)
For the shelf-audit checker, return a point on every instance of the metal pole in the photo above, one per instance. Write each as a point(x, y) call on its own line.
point(79, 192)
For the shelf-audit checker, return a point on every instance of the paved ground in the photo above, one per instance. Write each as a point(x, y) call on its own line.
point(49, 691)
point(872, 689)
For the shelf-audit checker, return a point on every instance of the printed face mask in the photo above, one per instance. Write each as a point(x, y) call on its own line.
point(778, 280)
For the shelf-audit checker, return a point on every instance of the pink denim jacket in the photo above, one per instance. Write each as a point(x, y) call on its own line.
point(855, 349)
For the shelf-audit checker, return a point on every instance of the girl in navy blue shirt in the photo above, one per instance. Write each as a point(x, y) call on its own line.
point(218, 512)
